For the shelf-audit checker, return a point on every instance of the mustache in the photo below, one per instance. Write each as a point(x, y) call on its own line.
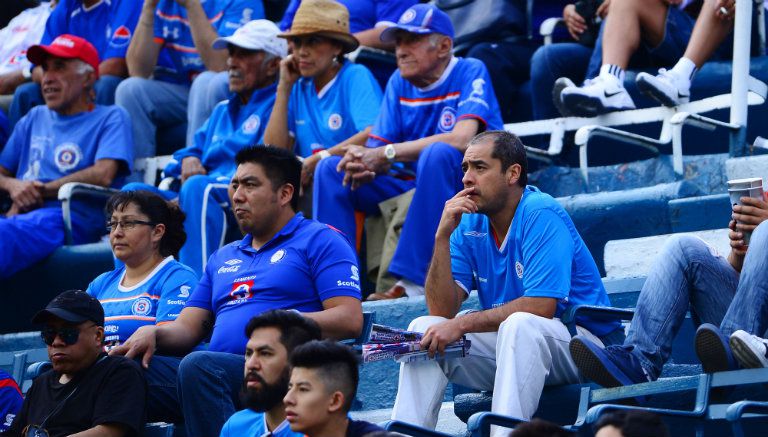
point(235, 74)
point(253, 376)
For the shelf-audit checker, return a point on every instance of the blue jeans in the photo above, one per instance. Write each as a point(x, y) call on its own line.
point(151, 104)
point(208, 89)
point(202, 390)
point(28, 95)
point(687, 273)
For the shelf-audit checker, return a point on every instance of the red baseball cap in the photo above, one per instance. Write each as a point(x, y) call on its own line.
point(68, 47)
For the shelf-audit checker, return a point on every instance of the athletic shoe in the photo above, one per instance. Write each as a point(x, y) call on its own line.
point(750, 350)
point(713, 350)
point(666, 87)
point(561, 84)
point(612, 366)
point(602, 94)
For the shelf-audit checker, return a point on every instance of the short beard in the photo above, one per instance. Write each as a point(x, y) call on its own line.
point(266, 397)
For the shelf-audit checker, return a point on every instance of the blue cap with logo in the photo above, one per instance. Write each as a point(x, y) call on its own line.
point(421, 18)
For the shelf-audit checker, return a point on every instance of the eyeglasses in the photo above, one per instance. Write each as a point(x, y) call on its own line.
point(127, 225)
point(67, 335)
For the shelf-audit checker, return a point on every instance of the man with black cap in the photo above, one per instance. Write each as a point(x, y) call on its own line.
point(87, 393)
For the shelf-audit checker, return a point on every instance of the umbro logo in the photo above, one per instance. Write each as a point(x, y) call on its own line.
point(233, 262)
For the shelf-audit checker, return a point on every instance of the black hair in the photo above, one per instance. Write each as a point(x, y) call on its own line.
point(294, 328)
point(335, 363)
point(507, 148)
point(159, 211)
point(540, 428)
point(280, 165)
point(634, 423)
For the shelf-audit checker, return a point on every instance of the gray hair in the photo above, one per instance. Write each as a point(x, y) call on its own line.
point(83, 67)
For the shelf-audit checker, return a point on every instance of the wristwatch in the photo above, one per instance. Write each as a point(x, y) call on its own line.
point(390, 152)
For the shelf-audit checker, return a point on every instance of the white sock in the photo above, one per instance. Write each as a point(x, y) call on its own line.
point(685, 69)
point(613, 70)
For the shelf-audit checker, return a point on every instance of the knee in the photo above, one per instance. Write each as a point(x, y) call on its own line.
point(685, 248)
point(421, 324)
point(521, 324)
point(26, 89)
point(137, 186)
point(539, 61)
point(129, 90)
point(196, 365)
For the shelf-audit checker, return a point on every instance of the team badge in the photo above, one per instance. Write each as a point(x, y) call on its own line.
point(67, 156)
point(252, 124)
point(519, 269)
point(121, 37)
point(242, 290)
point(141, 306)
point(408, 16)
point(277, 256)
point(334, 121)
point(447, 119)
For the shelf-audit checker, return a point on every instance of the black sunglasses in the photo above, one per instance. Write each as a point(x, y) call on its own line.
point(68, 335)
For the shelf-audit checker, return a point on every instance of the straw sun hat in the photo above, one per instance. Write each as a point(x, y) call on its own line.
point(325, 18)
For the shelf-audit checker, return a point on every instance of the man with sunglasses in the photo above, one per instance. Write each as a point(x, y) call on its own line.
point(87, 392)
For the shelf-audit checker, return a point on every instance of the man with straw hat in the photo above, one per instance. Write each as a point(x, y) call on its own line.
point(433, 104)
point(323, 103)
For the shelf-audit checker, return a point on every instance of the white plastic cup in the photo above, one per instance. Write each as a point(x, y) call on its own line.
point(745, 183)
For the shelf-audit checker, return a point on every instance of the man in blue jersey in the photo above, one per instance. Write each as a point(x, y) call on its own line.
point(272, 337)
point(10, 400)
point(432, 106)
point(207, 165)
point(284, 262)
point(522, 253)
point(108, 25)
point(68, 140)
point(172, 45)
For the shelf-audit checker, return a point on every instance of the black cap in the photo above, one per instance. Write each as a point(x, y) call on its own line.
point(72, 306)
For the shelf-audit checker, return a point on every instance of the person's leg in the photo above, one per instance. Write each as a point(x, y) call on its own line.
point(208, 89)
point(25, 97)
point(28, 238)
point(105, 89)
point(531, 352)
point(151, 103)
point(209, 385)
point(549, 63)
point(438, 178)
point(162, 394)
point(204, 201)
point(421, 386)
point(335, 204)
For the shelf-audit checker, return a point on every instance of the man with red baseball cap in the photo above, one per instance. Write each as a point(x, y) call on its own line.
point(70, 139)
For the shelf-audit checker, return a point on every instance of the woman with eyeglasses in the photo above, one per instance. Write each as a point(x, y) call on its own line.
point(146, 233)
point(324, 102)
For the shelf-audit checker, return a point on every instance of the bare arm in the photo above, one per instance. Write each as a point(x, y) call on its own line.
point(276, 132)
point(103, 430)
point(143, 51)
point(113, 67)
point(203, 35)
point(459, 138)
point(370, 38)
point(745, 217)
point(341, 317)
point(9, 81)
point(101, 173)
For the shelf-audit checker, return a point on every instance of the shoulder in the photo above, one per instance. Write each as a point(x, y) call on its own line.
point(176, 268)
point(352, 70)
point(99, 284)
point(241, 422)
point(361, 428)
point(470, 65)
point(316, 232)
point(119, 367)
point(537, 205)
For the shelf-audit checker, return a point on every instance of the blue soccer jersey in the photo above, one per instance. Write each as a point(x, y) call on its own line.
point(231, 127)
point(303, 265)
point(179, 61)
point(345, 106)
point(363, 14)
point(250, 423)
point(542, 255)
point(159, 298)
point(409, 113)
point(108, 24)
point(10, 400)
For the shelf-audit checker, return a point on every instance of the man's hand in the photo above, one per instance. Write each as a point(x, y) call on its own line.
point(455, 207)
point(26, 195)
point(573, 21)
point(362, 164)
point(289, 71)
point(142, 343)
point(737, 240)
point(749, 214)
point(725, 10)
point(437, 337)
point(190, 166)
point(602, 10)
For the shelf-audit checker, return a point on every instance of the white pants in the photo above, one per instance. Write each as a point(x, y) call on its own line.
point(531, 352)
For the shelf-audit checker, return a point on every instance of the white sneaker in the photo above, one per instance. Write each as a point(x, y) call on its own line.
point(605, 93)
point(666, 87)
point(750, 350)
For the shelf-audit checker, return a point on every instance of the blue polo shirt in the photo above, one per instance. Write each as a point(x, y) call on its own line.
point(179, 61)
point(252, 424)
point(363, 14)
point(304, 264)
point(542, 255)
point(108, 25)
point(320, 119)
point(231, 127)
point(158, 299)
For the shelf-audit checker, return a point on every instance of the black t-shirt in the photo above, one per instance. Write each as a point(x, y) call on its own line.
point(112, 391)
point(360, 428)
